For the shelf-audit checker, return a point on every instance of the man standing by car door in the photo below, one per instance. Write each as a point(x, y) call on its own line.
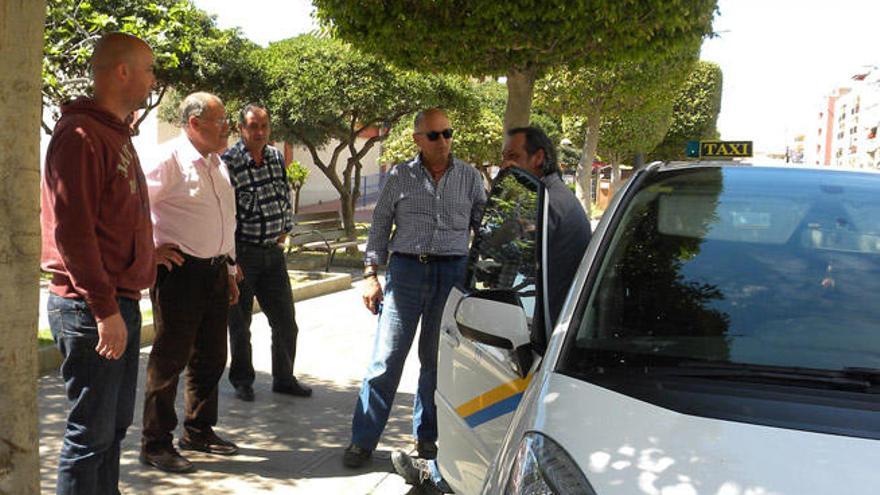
point(432, 202)
point(568, 229)
point(568, 234)
point(265, 216)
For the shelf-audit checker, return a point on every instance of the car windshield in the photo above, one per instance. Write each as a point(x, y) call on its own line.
point(769, 267)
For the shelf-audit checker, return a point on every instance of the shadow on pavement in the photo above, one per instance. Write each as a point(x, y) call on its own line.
point(283, 440)
point(288, 444)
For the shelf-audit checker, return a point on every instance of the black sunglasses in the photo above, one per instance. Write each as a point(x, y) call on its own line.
point(435, 135)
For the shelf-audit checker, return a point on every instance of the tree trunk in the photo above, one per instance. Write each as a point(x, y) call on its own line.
point(588, 154)
point(520, 89)
point(487, 177)
point(638, 161)
point(296, 200)
point(21, 45)
point(346, 200)
point(616, 180)
point(347, 203)
point(615, 175)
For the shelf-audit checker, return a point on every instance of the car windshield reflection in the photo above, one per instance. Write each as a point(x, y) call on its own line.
point(747, 266)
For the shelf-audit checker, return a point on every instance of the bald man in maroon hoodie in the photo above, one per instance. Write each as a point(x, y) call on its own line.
point(98, 246)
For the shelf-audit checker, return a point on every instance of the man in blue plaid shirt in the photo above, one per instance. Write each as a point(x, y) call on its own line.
point(421, 229)
point(264, 216)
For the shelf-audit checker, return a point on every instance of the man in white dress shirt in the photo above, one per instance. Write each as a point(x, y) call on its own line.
point(192, 204)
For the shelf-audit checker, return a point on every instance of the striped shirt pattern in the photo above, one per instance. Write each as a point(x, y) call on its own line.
point(262, 194)
point(428, 217)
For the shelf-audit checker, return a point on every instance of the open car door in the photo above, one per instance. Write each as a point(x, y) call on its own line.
point(485, 356)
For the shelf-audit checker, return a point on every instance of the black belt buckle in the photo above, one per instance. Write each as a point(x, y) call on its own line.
point(216, 260)
point(424, 258)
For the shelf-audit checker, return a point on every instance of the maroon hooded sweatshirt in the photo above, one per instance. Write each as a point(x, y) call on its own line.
point(95, 212)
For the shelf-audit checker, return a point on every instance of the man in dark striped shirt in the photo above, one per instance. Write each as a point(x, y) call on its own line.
point(432, 202)
point(264, 216)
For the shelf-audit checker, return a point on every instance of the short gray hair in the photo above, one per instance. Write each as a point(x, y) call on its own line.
point(420, 117)
point(194, 105)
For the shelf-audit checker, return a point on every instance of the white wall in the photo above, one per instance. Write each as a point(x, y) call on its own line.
point(318, 188)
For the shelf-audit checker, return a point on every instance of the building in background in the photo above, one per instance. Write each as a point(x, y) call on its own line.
point(845, 131)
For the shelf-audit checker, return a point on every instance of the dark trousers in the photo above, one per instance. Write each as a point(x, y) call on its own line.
point(265, 276)
point(190, 305)
point(101, 393)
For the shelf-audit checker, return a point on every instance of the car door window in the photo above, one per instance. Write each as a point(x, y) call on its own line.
point(505, 251)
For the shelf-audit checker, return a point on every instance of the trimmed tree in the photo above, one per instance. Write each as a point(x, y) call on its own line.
point(320, 89)
point(625, 132)
point(617, 92)
point(694, 112)
point(519, 39)
point(190, 51)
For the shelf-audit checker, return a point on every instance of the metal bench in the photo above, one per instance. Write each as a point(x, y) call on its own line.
point(319, 232)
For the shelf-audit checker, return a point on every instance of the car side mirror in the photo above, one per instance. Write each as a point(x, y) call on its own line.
point(495, 318)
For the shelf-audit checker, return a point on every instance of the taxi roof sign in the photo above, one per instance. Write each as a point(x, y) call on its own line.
point(719, 149)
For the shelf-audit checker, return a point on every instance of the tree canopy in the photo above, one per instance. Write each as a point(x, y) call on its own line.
point(694, 112)
point(616, 107)
point(190, 51)
point(517, 38)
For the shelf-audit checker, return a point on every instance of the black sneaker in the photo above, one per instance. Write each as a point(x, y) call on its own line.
point(356, 456)
point(413, 471)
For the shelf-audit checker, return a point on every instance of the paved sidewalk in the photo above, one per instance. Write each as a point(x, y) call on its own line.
point(288, 445)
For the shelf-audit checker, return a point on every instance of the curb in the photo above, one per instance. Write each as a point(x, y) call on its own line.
point(49, 358)
point(326, 283)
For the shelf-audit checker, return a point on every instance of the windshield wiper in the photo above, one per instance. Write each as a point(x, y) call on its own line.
point(855, 379)
point(870, 374)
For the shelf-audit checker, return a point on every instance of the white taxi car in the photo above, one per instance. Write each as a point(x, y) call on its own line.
point(722, 336)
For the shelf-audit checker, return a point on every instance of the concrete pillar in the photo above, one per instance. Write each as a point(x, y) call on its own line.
point(21, 46)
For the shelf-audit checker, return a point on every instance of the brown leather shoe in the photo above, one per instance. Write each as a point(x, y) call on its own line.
point(209, 442)
point(166, 459)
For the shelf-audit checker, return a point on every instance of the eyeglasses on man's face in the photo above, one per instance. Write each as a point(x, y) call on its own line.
point(435, 135)
point(220, 122)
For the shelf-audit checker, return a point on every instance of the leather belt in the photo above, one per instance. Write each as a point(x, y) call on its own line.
point(216, 260)
point(429, 258)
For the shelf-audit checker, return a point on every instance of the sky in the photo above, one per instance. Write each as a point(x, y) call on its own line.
point(779, 57)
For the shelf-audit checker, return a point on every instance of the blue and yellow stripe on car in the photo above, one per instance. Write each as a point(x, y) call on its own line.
point(499, 401)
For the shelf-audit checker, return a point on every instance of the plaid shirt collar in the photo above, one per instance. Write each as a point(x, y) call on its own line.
point(421, 166)
point(241, 150)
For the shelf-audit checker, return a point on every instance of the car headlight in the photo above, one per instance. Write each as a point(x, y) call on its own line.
point(542, 467)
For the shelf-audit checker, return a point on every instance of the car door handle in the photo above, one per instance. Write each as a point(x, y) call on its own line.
point(451, 339)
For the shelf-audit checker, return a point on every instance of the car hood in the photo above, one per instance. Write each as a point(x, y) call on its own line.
point(627, 446)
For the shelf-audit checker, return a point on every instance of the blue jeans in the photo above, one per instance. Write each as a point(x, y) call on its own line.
point(413, 290)
point(101, 393)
